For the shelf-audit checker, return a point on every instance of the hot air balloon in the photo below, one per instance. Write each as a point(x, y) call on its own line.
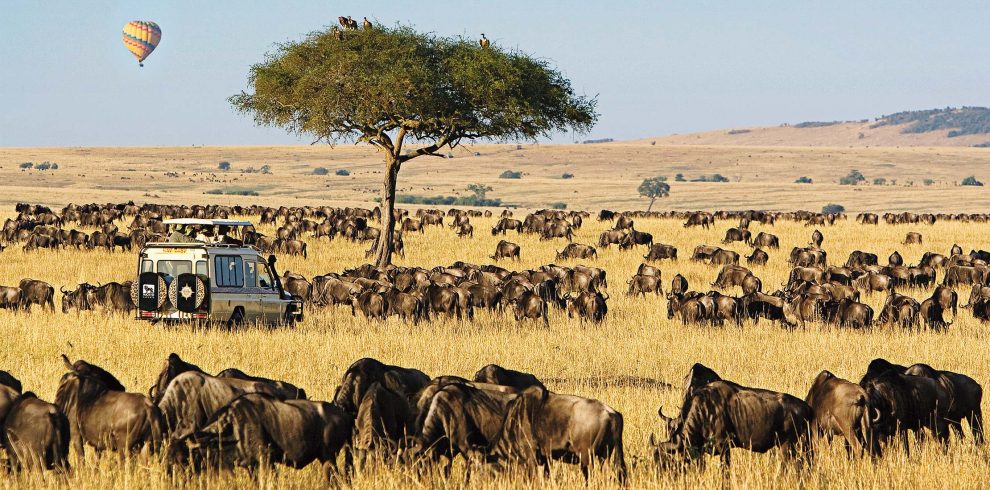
point(141, 37)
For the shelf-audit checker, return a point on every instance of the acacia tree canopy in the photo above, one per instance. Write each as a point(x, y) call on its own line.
point(653, 188)
point(393, 86)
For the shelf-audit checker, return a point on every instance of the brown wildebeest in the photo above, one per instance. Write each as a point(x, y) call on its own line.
point(498, 375)
point(35, 434)
point(721, 415)
point(905, 403)
point(854, 314)
point(722, 257)
point(362, 373)
point(10, 298)
point(268, 430)
point(737, 235)
point(895, 259)
point(704, 252)
point(384, 419)
point(102, 414)
point(966, 396)
point(933, 315)
point(693, 310)
point(678, 285)
point(112, 297)
point(577, 251)
point(817, 238)
point(731, 275)
point(591, 306)
point(912, 238)
point(900, 309)
point(283, 389)
point(641, 285)
point(962, 274)
point(859, 258)
point(531, 305)
point(946, 298)
point(647, 270)
point(758, 257)
point(767, 240)
point(35, 292)
point(506, 250)
point(660, 251)
point(841, 407)
point(541, 425)
point(456, 418)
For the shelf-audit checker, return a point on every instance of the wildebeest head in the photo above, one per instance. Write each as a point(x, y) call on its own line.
point(82, 385)
point(878, 367)
point(698, 376)
point(77, 298)
point(174, 366)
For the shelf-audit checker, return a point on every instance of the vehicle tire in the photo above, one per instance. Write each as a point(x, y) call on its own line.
point(188, 292)
point(236, 318)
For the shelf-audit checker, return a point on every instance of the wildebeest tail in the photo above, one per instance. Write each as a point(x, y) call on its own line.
point(57, 455)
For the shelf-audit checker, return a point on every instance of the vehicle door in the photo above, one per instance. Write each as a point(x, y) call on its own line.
point(273, 303)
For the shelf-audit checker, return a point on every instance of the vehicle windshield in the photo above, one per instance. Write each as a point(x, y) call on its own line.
point(264, 277)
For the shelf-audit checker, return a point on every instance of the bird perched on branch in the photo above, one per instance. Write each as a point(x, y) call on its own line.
point(368, 24)
point(484, 42)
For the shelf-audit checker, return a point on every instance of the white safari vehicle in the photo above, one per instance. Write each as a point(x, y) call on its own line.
point(210, 277)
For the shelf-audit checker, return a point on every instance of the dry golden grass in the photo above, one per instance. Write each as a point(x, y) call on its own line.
point(605, 175)
point(636, 339)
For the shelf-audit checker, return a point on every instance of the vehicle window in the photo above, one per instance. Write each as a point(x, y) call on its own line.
point(264, 278)
point(172, 268)
point(147, 266)
point(229, 270)
point(201, 268)
point(251, 275)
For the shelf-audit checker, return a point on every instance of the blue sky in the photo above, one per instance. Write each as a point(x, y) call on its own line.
point(657, 67)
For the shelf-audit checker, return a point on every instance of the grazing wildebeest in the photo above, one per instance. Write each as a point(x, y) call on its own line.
point(641, 285)
point(859, 258)
point(498, 375)
point(112, 296)
point(540, 426)
point(35, 433)
point(965, 398)
point(904, 403)
point(588, 305)
point(693, 310)
point(842, 407)
point(35, 292)
point(103, 415)
point(737, 235)
point(660, 251)
point(678, 285)
point(458, 418)
point(963, 274)
point(758, 257)
point(895, 259)
point(257, 429)
point(187, 396)
point(722, 257)
point(946, 298)
point(384, 420)
point(531, 305)
point(854, 314)
point(932, 313)
point(506, 250)
point(577, 251)
point(363, 372)
point(722, 414)
point(731, 275)
point(767, 240)
point(912, 237)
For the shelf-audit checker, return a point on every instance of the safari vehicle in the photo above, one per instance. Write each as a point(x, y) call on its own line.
point(184, 279)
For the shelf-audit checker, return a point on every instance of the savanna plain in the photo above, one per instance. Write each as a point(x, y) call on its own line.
point(634, 361)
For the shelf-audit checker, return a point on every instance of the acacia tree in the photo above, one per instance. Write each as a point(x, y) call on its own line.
point(409, 94)
point(653, 188)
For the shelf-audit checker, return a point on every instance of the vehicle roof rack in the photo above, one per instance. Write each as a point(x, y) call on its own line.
point(207, 222)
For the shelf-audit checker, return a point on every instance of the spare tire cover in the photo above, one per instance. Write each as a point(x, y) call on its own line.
point(152, 292)
point(188, 292)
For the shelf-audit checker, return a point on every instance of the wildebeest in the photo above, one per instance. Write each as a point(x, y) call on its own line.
point(35, 433)
point(102, 414)
point(678, 285)
point(767, 240)
point(363, 372)
point(913, 237)
point(530, 305)
point(854, 314)
point(258, 429)
point(904, 403)
point(10, 297)
point(540, 425)
point(384, 421)
point(591, 306)
point(506, 250)
point(722, 414)
point(284, 389)
point(841, 407)
point(641, 285)
point(498, 375)
point(660, 251)
point(737, 235)
point(35, 292)
point(577, 251)
point(965, 398)
point(758, 257)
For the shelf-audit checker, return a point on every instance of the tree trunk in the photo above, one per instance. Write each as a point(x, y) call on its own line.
point(652, 200)
point(383, 256)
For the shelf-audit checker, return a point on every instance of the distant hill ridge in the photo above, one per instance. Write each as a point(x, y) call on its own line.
point(963, 126)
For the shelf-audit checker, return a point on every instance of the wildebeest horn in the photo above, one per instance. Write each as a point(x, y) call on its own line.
point(65, 360)
point(62, 288)
point(662, 416)
point(877, 418)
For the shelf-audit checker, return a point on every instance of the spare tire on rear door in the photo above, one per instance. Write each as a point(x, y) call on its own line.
point(150, 292)
point(188, 292)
